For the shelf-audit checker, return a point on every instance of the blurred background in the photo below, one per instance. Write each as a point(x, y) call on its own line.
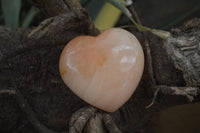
point(160, 14)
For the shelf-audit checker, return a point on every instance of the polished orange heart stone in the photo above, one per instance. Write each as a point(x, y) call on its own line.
point(105, 70)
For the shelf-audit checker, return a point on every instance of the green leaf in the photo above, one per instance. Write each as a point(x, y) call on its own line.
point(27, 20)
point(11, 11)
point(121, 5)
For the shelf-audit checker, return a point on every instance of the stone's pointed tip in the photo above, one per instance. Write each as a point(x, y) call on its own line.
point(105, 70)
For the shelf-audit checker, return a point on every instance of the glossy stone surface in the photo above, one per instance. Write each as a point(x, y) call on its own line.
point(105, 70)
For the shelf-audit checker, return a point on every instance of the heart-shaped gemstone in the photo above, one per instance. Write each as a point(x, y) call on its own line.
point(105, 70)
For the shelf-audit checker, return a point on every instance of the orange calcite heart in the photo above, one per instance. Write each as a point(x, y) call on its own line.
point(105, 70)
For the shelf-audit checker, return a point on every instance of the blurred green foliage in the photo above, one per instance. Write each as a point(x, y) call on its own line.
point(29, 17)
point(159, 14)
point(93, 7)
point(11, 11)
point(11, 14)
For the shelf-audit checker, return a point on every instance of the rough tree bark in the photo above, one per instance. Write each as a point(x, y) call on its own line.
point(34, 99)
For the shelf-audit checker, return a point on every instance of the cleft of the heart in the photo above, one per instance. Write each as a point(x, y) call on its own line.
point(105, 70)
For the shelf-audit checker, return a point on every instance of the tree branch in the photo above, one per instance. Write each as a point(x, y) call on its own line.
point(72, 21)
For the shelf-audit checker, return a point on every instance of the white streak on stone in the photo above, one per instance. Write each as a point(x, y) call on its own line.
point(69, 64)
point(121, 48)
point(126, 59)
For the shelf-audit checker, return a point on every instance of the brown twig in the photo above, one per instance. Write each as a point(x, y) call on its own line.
point(110, 124)
point(72, 21)
point(189, 92)
point(30, 115)
point(154, 98)
point(80, 118)
point(10, 92)
point(95, 124)
point(10, 87)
